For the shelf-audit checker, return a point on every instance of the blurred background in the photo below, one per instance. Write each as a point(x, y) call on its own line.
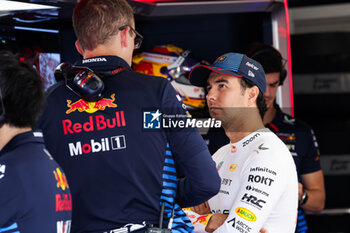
point(312, 35)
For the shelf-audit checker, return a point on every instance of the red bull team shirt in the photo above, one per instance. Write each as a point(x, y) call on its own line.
point(34, 192)
point(120, 162)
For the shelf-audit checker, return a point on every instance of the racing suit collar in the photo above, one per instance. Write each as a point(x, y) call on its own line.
point(103, 63)
point(23, 138)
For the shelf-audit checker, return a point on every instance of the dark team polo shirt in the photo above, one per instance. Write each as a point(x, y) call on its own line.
point(120, 165)
point(302, 144)
point(300, 140)
point(34, 193)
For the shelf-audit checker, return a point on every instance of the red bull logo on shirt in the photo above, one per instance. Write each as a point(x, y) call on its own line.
point(61, 179)
point(98, 122)
point(90, 107)
point(203, 219)
point(63, 202)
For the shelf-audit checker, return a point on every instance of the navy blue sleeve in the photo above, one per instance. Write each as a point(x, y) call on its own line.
point(311, 159)
point(201, 180)
point(11, 196)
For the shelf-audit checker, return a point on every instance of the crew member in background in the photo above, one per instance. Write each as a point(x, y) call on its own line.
point(120, 163)
point(34, 193)
point(296, 134)
point(259, 181)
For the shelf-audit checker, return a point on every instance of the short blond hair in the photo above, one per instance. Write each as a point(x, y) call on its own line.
point(95, 21)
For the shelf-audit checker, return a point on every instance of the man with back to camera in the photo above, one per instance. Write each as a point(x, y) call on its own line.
point(259, 181)
point(121, 172)
point(34, 194)
point(296, 134)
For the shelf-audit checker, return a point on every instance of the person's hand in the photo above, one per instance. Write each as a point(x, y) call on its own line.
point(215, 221)
point(202, 209)
point(263, 230)
point(300, 191)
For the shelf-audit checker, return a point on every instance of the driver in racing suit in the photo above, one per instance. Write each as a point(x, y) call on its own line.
point(295, 133)
point(258, 177)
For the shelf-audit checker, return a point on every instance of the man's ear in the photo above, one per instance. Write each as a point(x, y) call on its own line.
point(124, 37)
point(253, 94)
point(79, 48)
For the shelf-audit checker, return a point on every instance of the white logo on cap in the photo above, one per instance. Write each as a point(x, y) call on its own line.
point(251, 74)
point(251, 65)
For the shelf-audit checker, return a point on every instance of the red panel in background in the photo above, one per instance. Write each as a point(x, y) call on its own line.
point(156, 1)
point(289, 59)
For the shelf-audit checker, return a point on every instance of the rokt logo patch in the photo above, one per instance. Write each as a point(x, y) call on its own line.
point(260, 179)
point(90, 107)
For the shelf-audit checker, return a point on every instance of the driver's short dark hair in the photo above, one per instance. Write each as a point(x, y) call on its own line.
point(22, 91)
point(260, 101)
point(270, 59)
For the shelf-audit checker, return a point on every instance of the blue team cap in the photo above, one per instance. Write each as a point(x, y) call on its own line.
point(231, 64)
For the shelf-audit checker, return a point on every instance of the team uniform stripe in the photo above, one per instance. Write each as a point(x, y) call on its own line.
point(170, 169)
point(168, 152)
point(301, 224)
point(168, 184)
point(169, 177)
point(181, 223)
point(12, 227)
point(170, 173)
point(169, 161)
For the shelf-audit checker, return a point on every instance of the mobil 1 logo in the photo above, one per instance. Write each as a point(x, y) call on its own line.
point(97, 145)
